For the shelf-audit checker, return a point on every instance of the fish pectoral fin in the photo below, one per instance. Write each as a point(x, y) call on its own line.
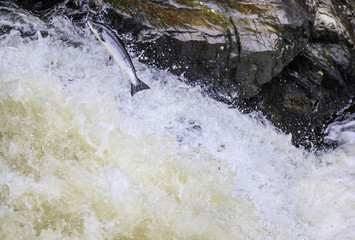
point(109, 61)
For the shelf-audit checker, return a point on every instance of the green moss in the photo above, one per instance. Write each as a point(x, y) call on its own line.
point(194, 16)
point(198, 16)
point(352, 4)
point(241, 7)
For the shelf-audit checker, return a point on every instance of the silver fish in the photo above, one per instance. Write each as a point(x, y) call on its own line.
point(116, 49)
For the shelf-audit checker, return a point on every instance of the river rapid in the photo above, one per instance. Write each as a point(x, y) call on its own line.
point(81, 159)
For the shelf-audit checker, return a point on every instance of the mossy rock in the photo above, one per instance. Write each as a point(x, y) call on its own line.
point(229, 35)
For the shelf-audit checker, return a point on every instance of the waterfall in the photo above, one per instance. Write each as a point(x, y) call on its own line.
point(81, 159)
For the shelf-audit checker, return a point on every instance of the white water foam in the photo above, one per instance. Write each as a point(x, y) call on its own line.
point(82, 159)
point(343, 132)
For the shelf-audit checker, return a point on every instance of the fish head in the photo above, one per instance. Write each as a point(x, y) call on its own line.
point(98, 29)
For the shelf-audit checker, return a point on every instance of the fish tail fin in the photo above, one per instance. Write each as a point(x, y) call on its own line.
point(139, 87)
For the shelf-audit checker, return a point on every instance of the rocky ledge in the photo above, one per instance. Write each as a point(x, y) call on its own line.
point(292, 60)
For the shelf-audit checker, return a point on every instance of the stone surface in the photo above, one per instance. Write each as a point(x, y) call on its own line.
point(292, 60)
point(319, 83)
point(327, 24)
point(232, 47)
point(37, 6)
point(309, 92)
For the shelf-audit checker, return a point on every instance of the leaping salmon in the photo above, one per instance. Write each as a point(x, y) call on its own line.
point(116, 49)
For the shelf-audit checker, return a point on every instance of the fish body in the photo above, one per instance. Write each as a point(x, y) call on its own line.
point(116, 49)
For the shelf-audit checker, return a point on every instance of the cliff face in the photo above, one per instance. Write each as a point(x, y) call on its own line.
point(316, 86)
point(233, 47)
point(292, 60)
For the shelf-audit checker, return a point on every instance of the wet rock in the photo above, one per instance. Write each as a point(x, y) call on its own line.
point(309, 93)
point(327, 25)
point(292, 60)
point(37, 6)
point(319, 83)
point(231, 47)
point(333, 20)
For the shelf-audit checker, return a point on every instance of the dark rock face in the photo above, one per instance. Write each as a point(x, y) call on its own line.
point(308, 94)
point(316, 86)
point(292, 60)
point(232, 47)
point(37, 6)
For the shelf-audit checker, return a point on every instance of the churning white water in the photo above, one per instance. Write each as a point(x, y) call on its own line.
point(81, 159)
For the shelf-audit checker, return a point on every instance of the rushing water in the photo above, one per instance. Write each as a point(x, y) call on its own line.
point(81, 159)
